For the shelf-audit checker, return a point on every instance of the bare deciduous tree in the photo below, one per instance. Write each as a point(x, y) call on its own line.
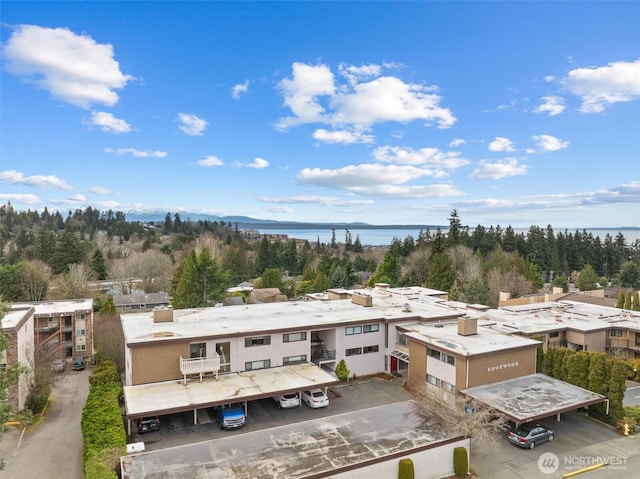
point(33, 279)
point(445, 412)
point(466, 264)
point(109, 338)
point(511, 282)
point(75, 283)
point(417, 266)
point(150, 271)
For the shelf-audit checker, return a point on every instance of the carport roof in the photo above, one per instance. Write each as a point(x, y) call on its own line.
point(175, 396)
point(533, 397)
point(316, 448)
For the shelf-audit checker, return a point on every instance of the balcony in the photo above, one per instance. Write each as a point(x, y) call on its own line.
point(200, 366)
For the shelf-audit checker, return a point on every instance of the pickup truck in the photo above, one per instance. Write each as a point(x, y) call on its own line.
point(231, 416)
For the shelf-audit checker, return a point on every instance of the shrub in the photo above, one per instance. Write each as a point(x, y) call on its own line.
point(406, 470)
point(460, 462)
point(341, 371)
point(626, 425)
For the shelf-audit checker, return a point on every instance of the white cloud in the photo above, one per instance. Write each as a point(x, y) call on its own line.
point(77, 198)
point(366, 175)
point(409, 192)
point(301, 92)
point(457, 142)
point(549, 143)
point(136, 153)
point(424, 156)
point(499, 169)
point(191, 124)
point(600, 87)
point(100, 190)
point(314, 96)
point(552, 105)
point(257, 163)
point(501, 144)
point(40, 181)
point(20, 198)
point(107, 122)
point(73, 68)
point(345, 137)
point(239, 89)
point(210, 161)
point(311, 199)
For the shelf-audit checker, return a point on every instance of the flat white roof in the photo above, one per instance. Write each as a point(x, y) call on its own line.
point(561, 315)
point(13, 317)
point(316, 448)
point(533, 397)
point(52, 308)
point(232, 320)
point(173, 396)
point(445, 336)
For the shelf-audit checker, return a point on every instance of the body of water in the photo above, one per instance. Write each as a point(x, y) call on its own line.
point(383, 237)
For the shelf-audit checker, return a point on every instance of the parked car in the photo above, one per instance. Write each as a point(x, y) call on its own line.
point(148, 424)
point(78, 363)
point(231, 416)
point(530, 435)
point(315, 398)
point(285, 401)
point(58, 365)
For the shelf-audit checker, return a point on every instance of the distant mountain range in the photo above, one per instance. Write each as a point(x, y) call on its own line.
point(246, 222)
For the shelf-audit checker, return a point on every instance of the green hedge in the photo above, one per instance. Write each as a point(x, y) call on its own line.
point(105, 439)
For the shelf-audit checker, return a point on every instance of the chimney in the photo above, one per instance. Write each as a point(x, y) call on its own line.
point(162, 314)
point(467, 326)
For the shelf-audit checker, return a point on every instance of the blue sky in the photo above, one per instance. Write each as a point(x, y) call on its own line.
point(512, 113)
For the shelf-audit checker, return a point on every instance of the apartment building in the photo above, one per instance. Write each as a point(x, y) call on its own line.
point(62, 329)
point(18, 324)
point(576, 325)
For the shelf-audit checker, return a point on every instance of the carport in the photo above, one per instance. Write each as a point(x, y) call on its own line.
point(533, 397)
point(179, 396)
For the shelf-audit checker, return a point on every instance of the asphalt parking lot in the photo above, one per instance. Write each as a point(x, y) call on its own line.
point(179, 429)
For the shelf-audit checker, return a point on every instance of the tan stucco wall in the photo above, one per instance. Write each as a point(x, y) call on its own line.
point(500, 367)
point(594, 341)
point(417, 371)
point(154, 363)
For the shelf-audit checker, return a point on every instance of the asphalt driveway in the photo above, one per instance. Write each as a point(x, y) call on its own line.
point(53, 446)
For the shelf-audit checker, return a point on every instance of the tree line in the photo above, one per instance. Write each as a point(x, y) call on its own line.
point(48, 255)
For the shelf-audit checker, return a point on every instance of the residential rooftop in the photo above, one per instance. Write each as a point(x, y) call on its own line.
point(317, 448)
point(233, 320)
point(532, 397)
point(559, 315)
point(53, 308)
point(16, 315)
point(445, 336)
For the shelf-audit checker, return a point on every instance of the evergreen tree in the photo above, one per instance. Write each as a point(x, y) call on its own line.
point(599, 379)
point(620, 300)
point(441, 274)
point(578, 369)
point(587, 279)
point(629, 275)
point(198, 281)
point(455, 226)
point(357, 245)
point(617, 388)
point(334, 245)
point(627, 300)
point(272, 278)
point(320, 283)
point(636, 302)
point(98, 264)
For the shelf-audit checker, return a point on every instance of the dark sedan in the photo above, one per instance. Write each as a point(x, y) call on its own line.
point(530, 436)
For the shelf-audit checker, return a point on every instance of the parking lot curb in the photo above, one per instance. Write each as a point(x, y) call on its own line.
point(583, 470)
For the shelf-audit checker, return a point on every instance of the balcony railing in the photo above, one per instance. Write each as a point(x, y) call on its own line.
point(210, 364)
